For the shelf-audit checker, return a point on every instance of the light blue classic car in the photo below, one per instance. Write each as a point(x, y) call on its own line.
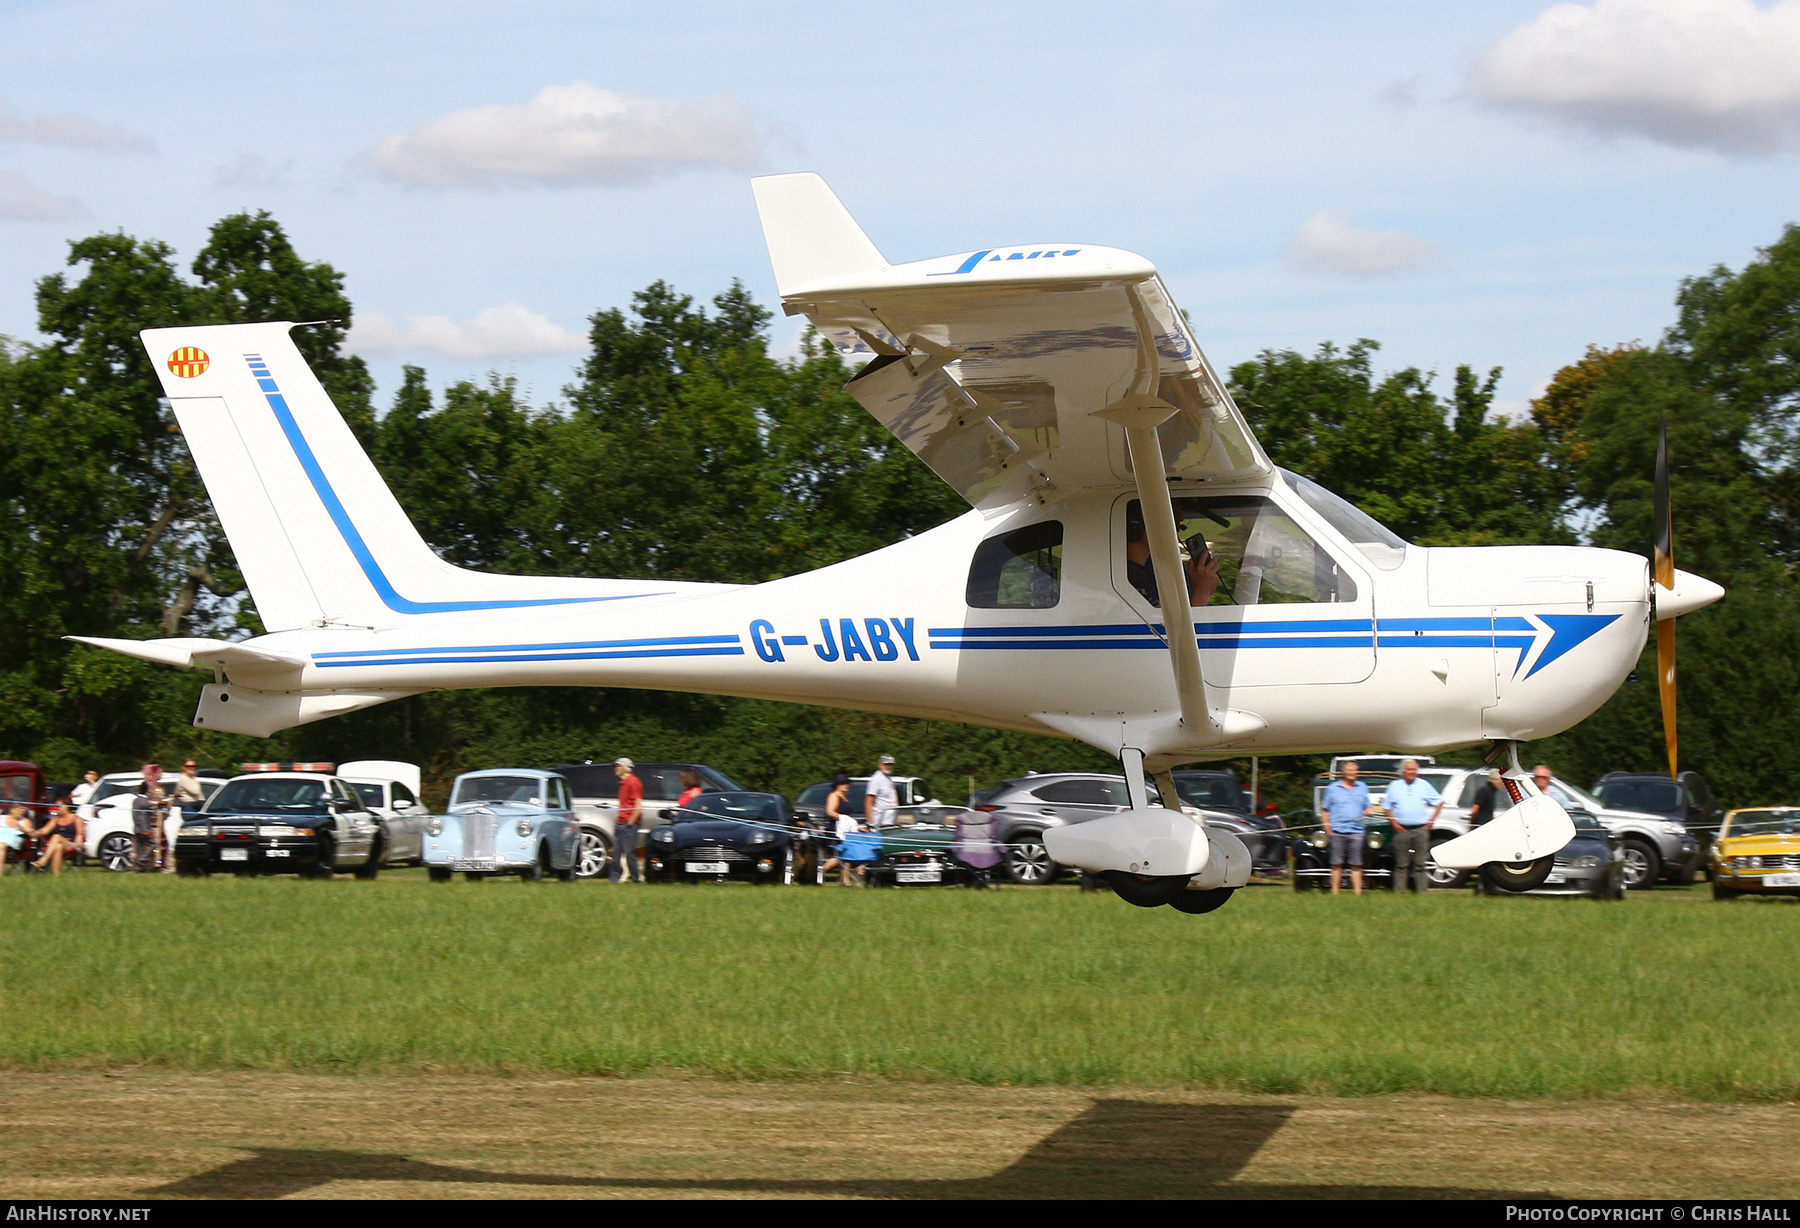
point(504, 821)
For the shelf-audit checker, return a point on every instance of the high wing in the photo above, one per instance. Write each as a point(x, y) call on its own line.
point(990, 365)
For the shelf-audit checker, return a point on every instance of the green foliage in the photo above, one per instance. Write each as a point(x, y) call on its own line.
point(1448, 994)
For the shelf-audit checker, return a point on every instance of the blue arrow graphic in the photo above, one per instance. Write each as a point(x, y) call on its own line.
point(1568, 631)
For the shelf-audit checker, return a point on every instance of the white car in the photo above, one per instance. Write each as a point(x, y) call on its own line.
point(389, 790)
point(106, 815)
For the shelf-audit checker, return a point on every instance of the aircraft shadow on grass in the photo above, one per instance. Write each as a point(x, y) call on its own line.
point(1116, 1149)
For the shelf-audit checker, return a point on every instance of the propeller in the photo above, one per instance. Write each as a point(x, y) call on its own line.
point(1663, 572)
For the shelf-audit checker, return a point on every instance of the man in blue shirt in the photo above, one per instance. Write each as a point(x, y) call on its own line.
point(1414, 806)
point(1346, 802)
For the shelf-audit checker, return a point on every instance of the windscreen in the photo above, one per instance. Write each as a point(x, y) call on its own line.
point(112, 788)
point(814, 795)
point(1378, 543)
point(1656, 796)
point(270, 796)
point(750, 807)
point(498, 790)
point(590, 780)
point(1763, 823)
point(1210, 792)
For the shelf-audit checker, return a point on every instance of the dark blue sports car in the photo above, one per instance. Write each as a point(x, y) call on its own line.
point(720, 836)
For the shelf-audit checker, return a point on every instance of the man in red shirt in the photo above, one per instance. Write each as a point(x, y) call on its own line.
point(625, 832)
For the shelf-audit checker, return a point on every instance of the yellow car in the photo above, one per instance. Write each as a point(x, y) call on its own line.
point(1757, 852)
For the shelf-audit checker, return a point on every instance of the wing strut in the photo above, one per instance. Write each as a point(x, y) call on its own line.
point(1140, 411)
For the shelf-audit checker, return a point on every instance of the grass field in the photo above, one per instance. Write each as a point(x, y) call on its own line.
point(1665, 995)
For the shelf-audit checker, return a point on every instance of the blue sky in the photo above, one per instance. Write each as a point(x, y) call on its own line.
point(1490, 182)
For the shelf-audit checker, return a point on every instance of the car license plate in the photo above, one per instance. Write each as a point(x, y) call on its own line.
point(472, 863)
point(918, 876)
point(234, 854)
point(1556, 878)
point(708, 867)
point(275, 852)
point(1781, 880)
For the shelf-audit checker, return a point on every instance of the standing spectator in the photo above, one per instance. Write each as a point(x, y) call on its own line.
point(881, 798)
point(79, 795)
point(1346, 802)
point(1414, 805)
point(1542, 777)
point(841, 817)
point(187, 800)
point(625, 832)
point(147, 813)
point(67, 835)
point(690, 788)
point(1487, 797)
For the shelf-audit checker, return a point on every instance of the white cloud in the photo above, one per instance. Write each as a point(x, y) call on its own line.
point(254, 171)
point(68, 128)
point(1327, 243)
point(571, 134)
point(23, 201)
point(1706, 74)
point(507, 331)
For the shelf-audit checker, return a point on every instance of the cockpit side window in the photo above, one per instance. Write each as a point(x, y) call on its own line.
point(1264, 557)
point(1020, 570)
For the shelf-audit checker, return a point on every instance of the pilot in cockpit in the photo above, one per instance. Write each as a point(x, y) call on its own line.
point(1202, 565)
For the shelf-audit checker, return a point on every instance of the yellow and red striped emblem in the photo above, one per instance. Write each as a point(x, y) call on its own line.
point(189, 361)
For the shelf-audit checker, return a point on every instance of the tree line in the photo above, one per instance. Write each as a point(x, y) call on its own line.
point(683, 449)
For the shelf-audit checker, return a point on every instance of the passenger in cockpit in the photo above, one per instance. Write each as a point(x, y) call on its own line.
point(1202, 565)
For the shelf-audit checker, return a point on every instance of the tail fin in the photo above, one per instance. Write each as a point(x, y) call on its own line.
point(319, 536)
point(811, 236)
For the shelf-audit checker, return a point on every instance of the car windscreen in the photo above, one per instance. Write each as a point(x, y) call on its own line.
point(1587, 825)
point(1762, 823)
point(1210, 792)
point(498, 790)
point(276, 796)
point(749, 807)
point(112, 788)
point(1656, 796)
point(593, 780)
point(370, 794)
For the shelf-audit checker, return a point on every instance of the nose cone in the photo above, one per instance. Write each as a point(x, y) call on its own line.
point(1690, 593)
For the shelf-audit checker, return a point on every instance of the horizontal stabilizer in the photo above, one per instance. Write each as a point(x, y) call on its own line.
point(811, 236)
point(199, 654)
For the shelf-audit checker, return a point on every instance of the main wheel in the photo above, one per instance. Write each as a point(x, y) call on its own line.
point(1443, 876)
point(440, 874)
point(1516, 876)
point(1028, 862)
point(591, 854)
point(115, 850)
point(326, 865)
point(1197, 902)
point(370, 868)
point(1642, 865)
point(1151, 892)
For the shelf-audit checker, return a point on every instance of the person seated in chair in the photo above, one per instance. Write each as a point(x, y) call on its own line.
point(66, 837)
point(12, 831)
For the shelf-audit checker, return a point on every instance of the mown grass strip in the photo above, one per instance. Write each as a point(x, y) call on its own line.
point(1666, 995)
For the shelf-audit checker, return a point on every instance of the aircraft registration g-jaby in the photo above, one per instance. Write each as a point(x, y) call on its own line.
point(1058, 389)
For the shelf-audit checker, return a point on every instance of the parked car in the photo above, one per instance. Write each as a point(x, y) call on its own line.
point(1687, 799)
point(106, 815)
point(1591, 865)
point(505, 821)
point(912, 796)
point(21, 782)
point(1229, 806)
point(1757, 853)
point(308, 823)
point(594, 789)
point(390, 791)
point(1309, 856)
point(722, 836)
point(1389, 764)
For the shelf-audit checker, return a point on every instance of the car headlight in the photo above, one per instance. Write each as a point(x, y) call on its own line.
point(1754, 863)
point(278, 829)
point(1586, 863)
point(524, 828)
point(434, 827)
point(1319, 840)
point(1375, 840)
point(665, 832)
point(1673, 828)
point(761, 837)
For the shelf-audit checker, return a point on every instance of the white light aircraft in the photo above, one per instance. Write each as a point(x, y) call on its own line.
point(1058, 389)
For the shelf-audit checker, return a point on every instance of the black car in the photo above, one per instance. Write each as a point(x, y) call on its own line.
point(594, 790)
point(1229, 807)
point(281, 823)
point(721, 836)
